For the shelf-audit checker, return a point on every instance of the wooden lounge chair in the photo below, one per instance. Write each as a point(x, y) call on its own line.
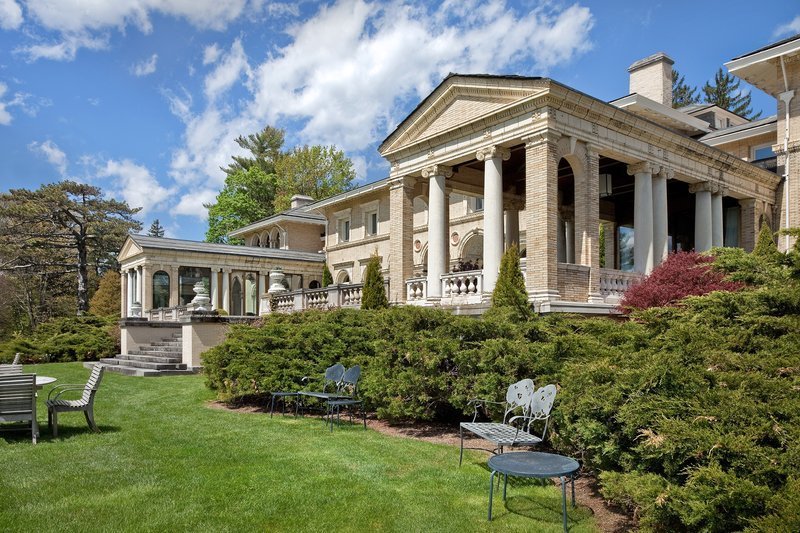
point(18, 400)
point(10, 370)
point(56, 405)
point(515, 429)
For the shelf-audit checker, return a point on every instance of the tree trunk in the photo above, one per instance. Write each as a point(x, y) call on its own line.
point(83, 274)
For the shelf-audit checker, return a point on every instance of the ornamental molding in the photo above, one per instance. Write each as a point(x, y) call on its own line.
point(493, 152)
point(541, 137)
point(437, 170)
point(665, 172)
point(707, 186)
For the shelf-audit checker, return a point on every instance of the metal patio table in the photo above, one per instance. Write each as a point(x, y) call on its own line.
point(536, 465)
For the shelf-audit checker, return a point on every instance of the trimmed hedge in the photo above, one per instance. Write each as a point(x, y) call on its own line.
point(689, 414)
point(86, 338)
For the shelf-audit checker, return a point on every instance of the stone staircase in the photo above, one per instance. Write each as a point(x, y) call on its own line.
point(162, 358)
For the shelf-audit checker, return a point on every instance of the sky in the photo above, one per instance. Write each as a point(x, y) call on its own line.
point(144, 98)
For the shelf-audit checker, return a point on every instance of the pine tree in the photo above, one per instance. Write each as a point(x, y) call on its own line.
point(682, 93)
point(327, 278)
point(156, 229)
point(107, 299)
point(373, 294)
point(509, 292)
point(726, 94)
point(765, 245)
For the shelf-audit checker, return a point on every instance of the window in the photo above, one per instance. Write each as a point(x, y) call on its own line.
point(625, 246)
point(160, 289)
point(188, 277)
point(479, 203)
point(344, 230)
point(731, 225)
point(763, 152)
point(371, 223)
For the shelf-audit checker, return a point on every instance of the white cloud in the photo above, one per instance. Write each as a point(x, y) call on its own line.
point(192, 204)
point(5, 116)
point(52, 153)
point(790, 28)
point(134, 184)
point(66, 49)
point(10, 15)
point(211, 53)
point(144, 67)
point(228, 71)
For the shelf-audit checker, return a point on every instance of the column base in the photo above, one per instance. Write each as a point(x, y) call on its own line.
point(542, 298)
point(596, 298)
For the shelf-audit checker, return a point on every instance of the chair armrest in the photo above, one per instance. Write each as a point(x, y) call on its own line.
point(70, 386)
point(66, 389)
point(476, 403)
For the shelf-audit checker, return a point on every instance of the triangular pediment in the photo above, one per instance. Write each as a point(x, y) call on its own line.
point(129, 249)
point(459, 101)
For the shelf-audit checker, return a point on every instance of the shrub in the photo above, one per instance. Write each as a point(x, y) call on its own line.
point(509, 292)
point(86, 338)
point(373, 295)
point(682, 274)
point(765, 244)
point(327, 278)
point(107, 299)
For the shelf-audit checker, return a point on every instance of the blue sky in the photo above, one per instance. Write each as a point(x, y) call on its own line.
point(144, 97)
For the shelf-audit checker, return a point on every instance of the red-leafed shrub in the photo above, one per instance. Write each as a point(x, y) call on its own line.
point(681, 274)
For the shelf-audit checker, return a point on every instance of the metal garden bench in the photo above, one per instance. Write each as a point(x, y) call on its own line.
point(515, 429)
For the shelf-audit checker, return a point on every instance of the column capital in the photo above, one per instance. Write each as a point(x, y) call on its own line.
point(402, 182)
point(642, 167)
point(707, 186)
point(492, 152)
point(514, 205)
point(665, 172)
point(592, 150)
point(535, 139)
point(437, 170)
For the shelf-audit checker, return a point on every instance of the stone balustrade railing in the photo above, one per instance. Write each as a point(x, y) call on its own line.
point(614, 283)
point(462, 287)
point(168, 314)
point(416, 290)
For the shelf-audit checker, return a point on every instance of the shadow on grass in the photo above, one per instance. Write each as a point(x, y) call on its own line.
point(21, 434)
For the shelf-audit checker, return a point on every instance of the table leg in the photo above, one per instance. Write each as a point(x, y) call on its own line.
point(572, 480)
point(505, 484)
point(491, 490)
point(272, 406)
point(461, 457)
point(564, 501)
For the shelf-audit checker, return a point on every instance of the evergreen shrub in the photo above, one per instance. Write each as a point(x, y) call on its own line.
point(373, 294)
point(86, 338)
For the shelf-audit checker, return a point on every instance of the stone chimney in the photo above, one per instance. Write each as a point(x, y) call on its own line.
point(299, 200)
point(651, 77)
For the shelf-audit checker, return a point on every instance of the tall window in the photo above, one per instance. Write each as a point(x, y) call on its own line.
point(731, 237)
point(625, 246)
point(371, 222)
point(188, 277)
point(160, 289)
point(344, 230)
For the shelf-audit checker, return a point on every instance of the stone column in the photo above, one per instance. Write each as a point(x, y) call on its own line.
point(147, 288)
point(717, 234)
point(139, 286)
point(123, 289)
point(438, 218)
point(541, 217)
point(587, 221)
point(214, 288)
point(401, 236)
point(174, 286)
point(512, 223)
point(569, 236)
point(702, 216)
point(642, 216)
point(493, 158)
point(262, 289)
point(131, 290)
point(226, 290)
point(660, 215)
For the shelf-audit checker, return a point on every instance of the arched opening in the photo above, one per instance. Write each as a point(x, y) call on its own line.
point(160, 289)
point(471, 253)
point(315, 284)
point(342, 277)
point(256, 241)
point(250, 295)
point(566, 212)
point(267, 241)
point(236, 297)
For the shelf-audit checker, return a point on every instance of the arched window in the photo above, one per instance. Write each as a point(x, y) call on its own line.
point(256, 241)
point(314, 284)
point(343, 277)
point(160, 289)
point(267, 241)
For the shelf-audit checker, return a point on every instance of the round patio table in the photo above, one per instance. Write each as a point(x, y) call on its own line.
point(536, 465)
point(41, 381)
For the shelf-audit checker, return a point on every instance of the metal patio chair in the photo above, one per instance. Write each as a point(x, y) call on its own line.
point(56, 405)
point(347, 397)
point(515, 429)
point(18, 400)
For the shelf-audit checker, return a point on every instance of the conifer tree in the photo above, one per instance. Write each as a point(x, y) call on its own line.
point(107, 299)
point(765, 245)
point(156, 229)
point(373, 294)
point(509, 292)
point(726, 94)
point(683, 94)
point(327, 278)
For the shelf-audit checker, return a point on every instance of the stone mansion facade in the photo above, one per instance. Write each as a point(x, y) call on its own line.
point(487, 161)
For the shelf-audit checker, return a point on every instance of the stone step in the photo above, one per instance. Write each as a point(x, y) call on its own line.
point(142, 372)
point(149, 358)
point(167, 343)
point(143, 364)
point(144, 350)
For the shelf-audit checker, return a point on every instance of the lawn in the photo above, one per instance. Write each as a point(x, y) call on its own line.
point(165, 461)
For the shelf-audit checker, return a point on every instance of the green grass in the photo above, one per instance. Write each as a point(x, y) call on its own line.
point(165, 461)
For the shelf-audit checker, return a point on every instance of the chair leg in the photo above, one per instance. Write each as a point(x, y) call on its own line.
point(55, 423)
point(89, 414)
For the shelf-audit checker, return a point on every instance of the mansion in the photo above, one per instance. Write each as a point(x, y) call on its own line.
point(594, 193)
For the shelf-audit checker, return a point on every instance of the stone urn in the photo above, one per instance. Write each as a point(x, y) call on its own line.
point(201, 299)
point(276, 279)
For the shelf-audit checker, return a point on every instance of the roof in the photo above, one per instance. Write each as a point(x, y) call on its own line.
point(162, 243)
point(742, 131)
point(299, 215)
point(664, 116)
point(358, 191)
point(760, 67)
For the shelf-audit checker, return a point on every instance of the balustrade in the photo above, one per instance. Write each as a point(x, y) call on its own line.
point(462, 287)
point(416, 290)
point(614, 283)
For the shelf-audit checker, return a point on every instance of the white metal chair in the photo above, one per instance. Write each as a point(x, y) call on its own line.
point(56, 405)
point(18, 400)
